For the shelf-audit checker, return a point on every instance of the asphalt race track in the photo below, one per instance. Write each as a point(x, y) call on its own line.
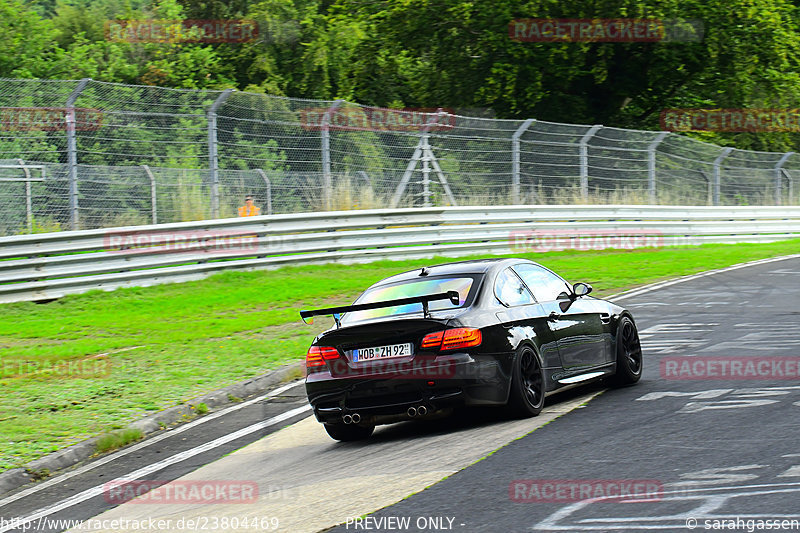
point(693, 446)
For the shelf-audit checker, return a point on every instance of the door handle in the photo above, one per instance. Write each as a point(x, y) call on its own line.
point(605, 318)
point(553, 316)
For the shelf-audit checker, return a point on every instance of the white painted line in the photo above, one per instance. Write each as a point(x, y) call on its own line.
point(658, 285)
point(155, 467)
point(792, 472)
point(713, 502)
point(147, 442)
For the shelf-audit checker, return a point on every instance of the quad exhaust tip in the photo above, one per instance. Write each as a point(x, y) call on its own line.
point(356, 418)
point(412, 412)
point(347, 419)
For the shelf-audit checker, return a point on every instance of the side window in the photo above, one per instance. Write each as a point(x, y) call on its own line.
point(545, 285)
point(510, 290)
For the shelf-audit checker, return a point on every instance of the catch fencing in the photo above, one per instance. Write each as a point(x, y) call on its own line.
point(85, 154)
point(43, 267)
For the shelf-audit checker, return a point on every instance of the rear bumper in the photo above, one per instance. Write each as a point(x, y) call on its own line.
point(379, 397)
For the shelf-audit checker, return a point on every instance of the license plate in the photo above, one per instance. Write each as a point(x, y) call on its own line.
point(381, 352)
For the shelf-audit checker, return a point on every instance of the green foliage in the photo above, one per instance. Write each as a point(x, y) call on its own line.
point(28, 50)
point(431, 53)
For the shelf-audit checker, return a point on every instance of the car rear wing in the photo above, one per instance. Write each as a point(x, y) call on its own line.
point(336, 312)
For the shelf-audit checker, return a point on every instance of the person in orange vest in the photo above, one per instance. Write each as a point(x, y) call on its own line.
point(248, 209)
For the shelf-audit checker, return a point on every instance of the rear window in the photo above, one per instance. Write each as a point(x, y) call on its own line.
point(408, 289)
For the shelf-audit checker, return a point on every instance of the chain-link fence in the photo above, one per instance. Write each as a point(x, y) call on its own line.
point(87, 154)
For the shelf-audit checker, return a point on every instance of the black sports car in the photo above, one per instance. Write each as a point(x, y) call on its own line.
point(494, 331)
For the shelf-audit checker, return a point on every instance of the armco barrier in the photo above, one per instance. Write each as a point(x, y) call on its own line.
point(47, 266)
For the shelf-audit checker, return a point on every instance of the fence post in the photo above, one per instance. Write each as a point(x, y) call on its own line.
point(709, 188)
point(426, 171)
point(269, 190)
point(779, 177)
point(327, 182)
point(72, 153)
point(152, 192)
point(791, 185)
point(584, 160)
point(651, 164)
point(28, 195)
point(213, 154)
point(515, 159)
point(718, 173)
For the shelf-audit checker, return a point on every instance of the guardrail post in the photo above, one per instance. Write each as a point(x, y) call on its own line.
point(718, 173)
point(651, 164)
point(515, 159)
point(72, 153)
point(213, 154)
point(779, 178)
point(327, 181)
point(584, 160)
point(269, 190)
point(152, 192)
point(28, 195)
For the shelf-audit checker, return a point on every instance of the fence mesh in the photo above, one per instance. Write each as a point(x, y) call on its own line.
point(86, 154)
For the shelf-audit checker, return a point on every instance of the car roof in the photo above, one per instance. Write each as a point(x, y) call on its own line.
point(474, 266)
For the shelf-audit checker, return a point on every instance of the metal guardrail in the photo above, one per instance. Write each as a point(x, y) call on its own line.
point(48, 266)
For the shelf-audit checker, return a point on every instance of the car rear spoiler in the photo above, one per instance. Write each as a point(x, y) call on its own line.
point(337, 311)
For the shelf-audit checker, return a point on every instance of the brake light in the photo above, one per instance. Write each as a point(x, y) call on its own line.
point(452, 339)
point(461, 338)
point(317, 355)
point(432, 340)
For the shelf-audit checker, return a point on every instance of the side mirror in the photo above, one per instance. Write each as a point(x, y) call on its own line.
point(581, 289)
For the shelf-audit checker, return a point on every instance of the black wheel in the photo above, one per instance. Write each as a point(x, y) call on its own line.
point(629, 354)
point(348, 432)
point(527, 384)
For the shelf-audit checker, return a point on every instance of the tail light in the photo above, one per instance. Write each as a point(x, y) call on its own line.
point(317, 355)
point(452, 339)
point(432, 340)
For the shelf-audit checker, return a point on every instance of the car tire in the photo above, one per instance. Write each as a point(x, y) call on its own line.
point(348, 432)
point(527, 384)
point(629, 354)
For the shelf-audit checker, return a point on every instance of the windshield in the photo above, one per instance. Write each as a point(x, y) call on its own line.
point(408, 289)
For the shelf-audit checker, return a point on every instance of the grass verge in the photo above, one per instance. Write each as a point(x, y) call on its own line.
point(89, 364)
